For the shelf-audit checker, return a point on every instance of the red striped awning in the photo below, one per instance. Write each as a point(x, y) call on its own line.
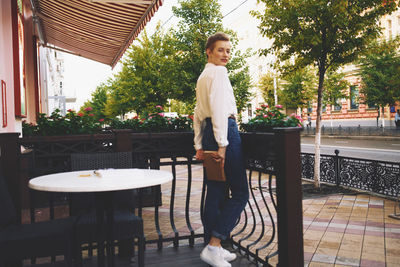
point(100, 30)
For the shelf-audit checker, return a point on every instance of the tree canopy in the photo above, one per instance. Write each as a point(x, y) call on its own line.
point(298, 89)
point(200, 19)
point(380, 72)
point(164, 67)
point(335, 88)
point(266, 86)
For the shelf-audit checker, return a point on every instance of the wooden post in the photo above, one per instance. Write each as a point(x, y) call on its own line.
point(289, 198)
point(9, 158)
point(123, 140)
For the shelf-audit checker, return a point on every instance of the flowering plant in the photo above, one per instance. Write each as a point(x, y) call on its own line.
point(155, 122)
point(85, 123)
point(266, 118)
point(56, 124)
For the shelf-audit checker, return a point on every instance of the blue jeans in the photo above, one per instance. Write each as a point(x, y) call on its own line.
point(221, 212)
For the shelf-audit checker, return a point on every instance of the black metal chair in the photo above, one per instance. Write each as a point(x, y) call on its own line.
point(126, 227)
point(38, 239)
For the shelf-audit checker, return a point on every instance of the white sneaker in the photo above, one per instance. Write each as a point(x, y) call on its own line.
point(228, 256)
point(214, 257)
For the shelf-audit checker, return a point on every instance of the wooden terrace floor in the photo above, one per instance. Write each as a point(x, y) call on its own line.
point(175, 257)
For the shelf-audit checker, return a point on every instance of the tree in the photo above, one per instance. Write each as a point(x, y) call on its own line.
point(298, 89)
point(146, 78)
point(323, 33)
point(380, 72)
point(200, 19)
point(335, 89)
point(97, 102)
point(266, 86)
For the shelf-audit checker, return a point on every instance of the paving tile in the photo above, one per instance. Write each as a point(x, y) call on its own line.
point(347, 261)
point(370, 255)
point(329, 244)
point(308, 256)
point(320, 264)
point(351, 254)
point(393, 259)
point(323, 258)
point(326, 251)
point(372, 263)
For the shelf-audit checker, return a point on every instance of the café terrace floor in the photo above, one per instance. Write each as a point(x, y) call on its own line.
point(351, 229)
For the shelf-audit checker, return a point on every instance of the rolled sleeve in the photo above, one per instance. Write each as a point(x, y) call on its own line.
point(198, 132)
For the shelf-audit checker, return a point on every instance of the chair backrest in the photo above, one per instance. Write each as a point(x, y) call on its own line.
point(94, 161)
point(82, 202)
point(8, 213)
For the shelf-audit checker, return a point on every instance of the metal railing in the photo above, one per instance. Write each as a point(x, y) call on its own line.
point(271, 222)
point(375, 176)
point(354, 131)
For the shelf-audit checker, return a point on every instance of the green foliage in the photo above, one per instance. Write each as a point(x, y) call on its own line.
point(85, 123)
point(145, 78)
point(200, 19)
point(380, 72)
point(266, 86)
point(166, 66)
point(97, 102)
point(335, 88)
point(155, 122)
point(321, 32)
point(181, 107)
point(268, 118)
point(241, 83)
point(298, 88)
point(56, 124)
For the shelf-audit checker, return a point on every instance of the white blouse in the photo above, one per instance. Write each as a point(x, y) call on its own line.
point(215, 100)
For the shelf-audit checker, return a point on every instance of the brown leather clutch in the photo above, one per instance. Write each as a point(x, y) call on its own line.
point(214, 166)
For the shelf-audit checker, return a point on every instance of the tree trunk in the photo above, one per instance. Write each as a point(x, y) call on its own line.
point(383, 117)
point(317, 158)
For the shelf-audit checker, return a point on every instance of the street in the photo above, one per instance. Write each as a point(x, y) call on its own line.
point(384, 150)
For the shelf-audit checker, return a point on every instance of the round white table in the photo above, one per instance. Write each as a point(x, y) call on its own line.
point(103, 183)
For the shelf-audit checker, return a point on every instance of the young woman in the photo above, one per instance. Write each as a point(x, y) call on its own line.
point(215, 129)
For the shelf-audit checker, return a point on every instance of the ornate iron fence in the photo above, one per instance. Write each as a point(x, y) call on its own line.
point(370, 175)
point(355, 131)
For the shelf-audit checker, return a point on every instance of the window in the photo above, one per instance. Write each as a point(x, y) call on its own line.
point(398, 25)
point(389, 28)
point(338, 105)
point(353, 97)
point(309, 107)
point(249, 111)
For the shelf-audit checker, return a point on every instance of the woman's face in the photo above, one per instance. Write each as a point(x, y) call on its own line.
point(220, 54)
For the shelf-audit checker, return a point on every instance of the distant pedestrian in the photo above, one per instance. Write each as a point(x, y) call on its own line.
point(397, 119)
point(308, 120)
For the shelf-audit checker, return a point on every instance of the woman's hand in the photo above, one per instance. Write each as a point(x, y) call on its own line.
point(200, 154)
point(221, 152)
